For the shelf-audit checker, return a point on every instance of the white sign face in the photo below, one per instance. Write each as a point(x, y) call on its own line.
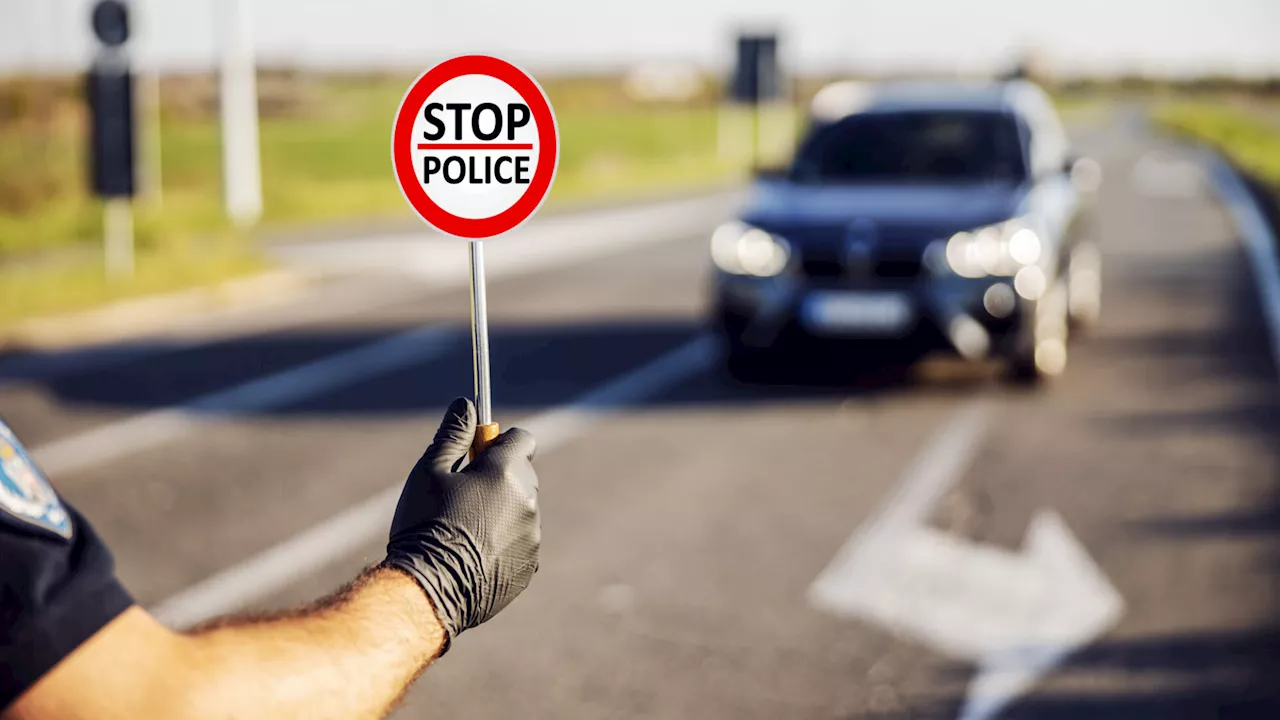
point(475, 146)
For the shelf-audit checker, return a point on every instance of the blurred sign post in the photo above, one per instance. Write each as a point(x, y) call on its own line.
point(756, 86)
point(241, 166)
point(756, 75)
point(111, 136)
point(475, 147)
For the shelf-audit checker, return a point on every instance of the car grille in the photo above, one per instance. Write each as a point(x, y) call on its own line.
point(897, 264)
point(826, 260)
point(822, 262)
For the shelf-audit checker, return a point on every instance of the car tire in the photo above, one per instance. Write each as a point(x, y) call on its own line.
point(743, 362)
point(753, 366)
point(1044, 355)
point(1084, 286)
point(1022, 371)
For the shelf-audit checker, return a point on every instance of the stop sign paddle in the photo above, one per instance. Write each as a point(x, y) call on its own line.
point(475, 149)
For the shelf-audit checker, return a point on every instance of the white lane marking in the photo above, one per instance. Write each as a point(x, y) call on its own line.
point(1259, 242)
point(141, 432)
point(343, 535)
point(1017, 614)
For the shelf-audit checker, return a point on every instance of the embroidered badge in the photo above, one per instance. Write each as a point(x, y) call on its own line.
point(24, 492)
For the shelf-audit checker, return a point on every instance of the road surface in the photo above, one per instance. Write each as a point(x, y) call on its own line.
point(686, 518)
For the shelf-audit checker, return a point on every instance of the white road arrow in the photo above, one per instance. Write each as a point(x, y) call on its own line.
point(1016, 614)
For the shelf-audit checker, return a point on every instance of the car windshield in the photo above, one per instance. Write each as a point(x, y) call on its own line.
point(932, 146)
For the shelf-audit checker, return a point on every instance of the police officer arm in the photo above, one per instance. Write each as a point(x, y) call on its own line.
point(351, 656)
point(463, 544)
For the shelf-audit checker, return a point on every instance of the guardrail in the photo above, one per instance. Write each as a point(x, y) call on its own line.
point(1257, 236)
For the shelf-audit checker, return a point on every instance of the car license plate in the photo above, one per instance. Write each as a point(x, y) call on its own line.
point(874, 313)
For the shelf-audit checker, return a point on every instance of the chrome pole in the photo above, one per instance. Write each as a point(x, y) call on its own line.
point(480, 335)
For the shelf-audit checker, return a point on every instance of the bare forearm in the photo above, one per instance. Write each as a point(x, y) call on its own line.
point(352, 656)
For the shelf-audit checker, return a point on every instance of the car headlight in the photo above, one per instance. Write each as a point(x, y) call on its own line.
point(744, 250)
point(1001, 249)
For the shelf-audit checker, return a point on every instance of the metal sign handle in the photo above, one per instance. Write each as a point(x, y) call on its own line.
point(486, 429)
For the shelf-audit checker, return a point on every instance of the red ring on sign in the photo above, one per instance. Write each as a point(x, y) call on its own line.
point(402, 145)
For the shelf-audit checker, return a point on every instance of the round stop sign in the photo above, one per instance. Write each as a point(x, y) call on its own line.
point(475, 146)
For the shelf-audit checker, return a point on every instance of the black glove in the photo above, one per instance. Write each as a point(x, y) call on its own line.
point(469, 537)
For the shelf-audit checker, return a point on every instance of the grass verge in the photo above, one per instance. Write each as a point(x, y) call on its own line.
point(1249, 135)
point(44, 289)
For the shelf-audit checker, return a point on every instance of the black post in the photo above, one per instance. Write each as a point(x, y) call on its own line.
point(756, 78)
point(111, 130)
point(109, 91)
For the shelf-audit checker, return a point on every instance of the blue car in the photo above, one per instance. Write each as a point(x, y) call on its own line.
point(915, 217)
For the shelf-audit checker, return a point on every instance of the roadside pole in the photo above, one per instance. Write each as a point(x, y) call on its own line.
point(241, 165)
point(149, 109)
point(109, 91)
point(117, 231)
point(756, 79)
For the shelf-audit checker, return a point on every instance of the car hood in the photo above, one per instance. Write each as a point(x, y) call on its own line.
point(778, 205)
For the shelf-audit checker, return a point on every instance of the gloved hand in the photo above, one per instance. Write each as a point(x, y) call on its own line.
point(470, 537)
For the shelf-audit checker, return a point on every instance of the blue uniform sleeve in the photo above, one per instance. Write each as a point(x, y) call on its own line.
point(57, 578)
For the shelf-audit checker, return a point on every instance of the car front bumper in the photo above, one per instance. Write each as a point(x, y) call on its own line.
point(974, 317)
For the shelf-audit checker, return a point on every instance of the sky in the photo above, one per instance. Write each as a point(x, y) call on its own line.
point(1167, 37)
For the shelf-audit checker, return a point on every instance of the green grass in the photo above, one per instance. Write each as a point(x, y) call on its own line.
point(28, 291)
point(1250, 134)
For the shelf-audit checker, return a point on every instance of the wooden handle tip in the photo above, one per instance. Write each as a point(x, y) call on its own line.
point(485, 434)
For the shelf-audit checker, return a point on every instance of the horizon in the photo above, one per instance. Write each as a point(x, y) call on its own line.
point(1080, 38)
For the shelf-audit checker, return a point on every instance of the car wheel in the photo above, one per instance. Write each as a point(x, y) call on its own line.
point(1084, 286)
point(754, 365)
point(1022, 371)
point(1044, 355)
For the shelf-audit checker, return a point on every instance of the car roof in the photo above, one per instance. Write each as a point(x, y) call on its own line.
point(845, 98)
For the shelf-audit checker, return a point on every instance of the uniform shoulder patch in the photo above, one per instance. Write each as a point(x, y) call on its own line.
point(25, 494)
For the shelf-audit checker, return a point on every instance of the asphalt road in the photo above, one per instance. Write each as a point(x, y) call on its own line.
point(686, 518)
